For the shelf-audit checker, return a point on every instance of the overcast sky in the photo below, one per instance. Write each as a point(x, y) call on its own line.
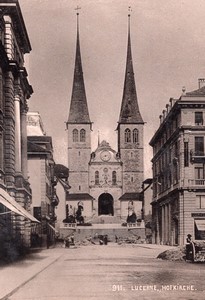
point(168, 49)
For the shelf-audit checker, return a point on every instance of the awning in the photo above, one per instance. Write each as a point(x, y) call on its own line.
point(200, 224)
point(14, 206)
point(53, 228)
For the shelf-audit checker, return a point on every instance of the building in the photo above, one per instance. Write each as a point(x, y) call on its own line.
point(106, 183)
point(178, 205)
point(15, 90)
point(44, 174)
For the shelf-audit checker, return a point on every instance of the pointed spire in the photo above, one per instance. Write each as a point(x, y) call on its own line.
point(78, 108)
point(129, 109)
point(98, 137)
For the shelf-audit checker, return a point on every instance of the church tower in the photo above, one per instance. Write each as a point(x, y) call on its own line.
point(79, 129)
point(130, 130)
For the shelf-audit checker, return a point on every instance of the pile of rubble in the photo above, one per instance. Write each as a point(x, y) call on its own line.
point(86, 242)
point(177, 254)
point(129, 240)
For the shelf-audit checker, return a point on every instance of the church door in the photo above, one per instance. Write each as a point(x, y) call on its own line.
point(105, 204)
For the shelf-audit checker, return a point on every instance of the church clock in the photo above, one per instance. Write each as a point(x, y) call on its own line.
point(105, 155)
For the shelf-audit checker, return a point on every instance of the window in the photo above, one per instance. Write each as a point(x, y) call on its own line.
point(96, 177)
point(199, 145)
point(198, 118)
point(200, 201)
point(82, 135)
point(114, 178)
point(127, 135)
point(75, 135)
point(135, 135)
point(186, 154)
point(199, 175)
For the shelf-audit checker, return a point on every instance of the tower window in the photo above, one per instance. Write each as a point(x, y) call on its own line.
point(114, 177)
point(75, 135)
point(96, 177)
point(127, 135)
point(135, 135)
point(82, 135)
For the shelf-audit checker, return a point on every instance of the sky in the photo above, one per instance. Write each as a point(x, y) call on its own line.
point(168, 46)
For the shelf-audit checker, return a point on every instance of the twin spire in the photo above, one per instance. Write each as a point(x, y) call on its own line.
point(79, 109)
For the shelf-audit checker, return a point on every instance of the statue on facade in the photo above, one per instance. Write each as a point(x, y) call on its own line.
point(79, 217)
point(132, 217)
point(70, 215)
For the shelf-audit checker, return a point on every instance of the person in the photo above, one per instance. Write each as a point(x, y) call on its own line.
point(188, 239)
point(105, 239)
point(189, 248)
point(72, 240)
point(67, 242)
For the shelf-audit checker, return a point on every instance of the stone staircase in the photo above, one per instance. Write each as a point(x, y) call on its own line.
point(106, 219)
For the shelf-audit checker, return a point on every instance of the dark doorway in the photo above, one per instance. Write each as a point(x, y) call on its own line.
point(105, 205)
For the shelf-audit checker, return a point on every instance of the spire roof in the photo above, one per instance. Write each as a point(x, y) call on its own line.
point(129, 109)
point(78, 107)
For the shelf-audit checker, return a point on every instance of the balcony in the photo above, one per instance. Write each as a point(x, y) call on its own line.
point(196, 183)
point(197, 156)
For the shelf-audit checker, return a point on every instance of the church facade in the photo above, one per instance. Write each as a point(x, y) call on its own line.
point(105, 182)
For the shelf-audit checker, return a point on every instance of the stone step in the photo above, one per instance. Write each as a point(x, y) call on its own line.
point(105, 219)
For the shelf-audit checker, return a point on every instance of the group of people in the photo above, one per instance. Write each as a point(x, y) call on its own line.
point(68, 241)
point(103, 239)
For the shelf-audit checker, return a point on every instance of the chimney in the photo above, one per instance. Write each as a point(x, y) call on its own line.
point(201, 82)
point(161, 119)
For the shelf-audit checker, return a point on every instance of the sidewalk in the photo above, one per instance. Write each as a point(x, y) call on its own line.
point(13, 276)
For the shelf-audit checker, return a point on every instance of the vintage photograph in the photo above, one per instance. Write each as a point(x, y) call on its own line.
point(102, 149)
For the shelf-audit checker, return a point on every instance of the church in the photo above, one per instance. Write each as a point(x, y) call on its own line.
point(105, 184)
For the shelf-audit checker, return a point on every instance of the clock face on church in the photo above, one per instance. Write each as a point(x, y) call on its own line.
point(105, 155)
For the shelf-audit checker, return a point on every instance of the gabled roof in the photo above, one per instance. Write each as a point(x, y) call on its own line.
point(78, 107)
point(129, 109)
point(131, 196)
point(83, 196)
point(198, 92)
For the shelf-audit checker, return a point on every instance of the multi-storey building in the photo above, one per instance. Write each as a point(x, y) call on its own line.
point(178, 205)
point(15, 90)
point(41, 177)
point(44, 176)
point(106, 182)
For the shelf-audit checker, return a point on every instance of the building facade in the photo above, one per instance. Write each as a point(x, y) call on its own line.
point(178, 206)
point(105, 182)
point(15, 90)
point(42, 181)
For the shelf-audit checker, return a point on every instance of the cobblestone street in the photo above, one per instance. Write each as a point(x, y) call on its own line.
point(108, 272)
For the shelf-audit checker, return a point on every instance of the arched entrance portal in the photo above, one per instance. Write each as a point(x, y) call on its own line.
point(105, 204)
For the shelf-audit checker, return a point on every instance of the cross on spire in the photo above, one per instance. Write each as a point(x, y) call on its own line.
point(129, 10)
point(77, 8)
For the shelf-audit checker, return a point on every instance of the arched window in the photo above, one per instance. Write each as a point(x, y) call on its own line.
point(127, 135)
point(114, 178)
point(135, 135)
point(75, 135)
point(96, 177)
point(82, 135)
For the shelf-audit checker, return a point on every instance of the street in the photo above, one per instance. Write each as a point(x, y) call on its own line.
point(113, 272)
